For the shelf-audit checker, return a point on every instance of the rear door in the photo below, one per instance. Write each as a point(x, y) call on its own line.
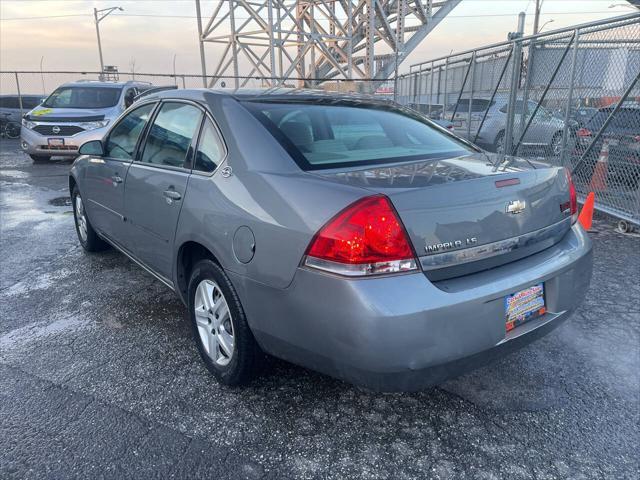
point(104, 182)
point(157, 182)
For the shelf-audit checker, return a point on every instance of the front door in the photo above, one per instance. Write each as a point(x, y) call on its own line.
point(104, 196)
point(157, 183)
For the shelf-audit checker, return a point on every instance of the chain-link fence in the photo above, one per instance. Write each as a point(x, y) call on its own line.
point(18, 87)
point(568, 97)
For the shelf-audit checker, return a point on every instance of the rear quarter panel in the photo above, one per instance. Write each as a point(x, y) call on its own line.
point(282, 205)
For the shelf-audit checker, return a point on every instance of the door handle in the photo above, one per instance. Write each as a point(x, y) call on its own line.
point(116, 179)
point(171, 195)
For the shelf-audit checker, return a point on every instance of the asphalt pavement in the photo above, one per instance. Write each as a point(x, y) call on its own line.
point(99, 378)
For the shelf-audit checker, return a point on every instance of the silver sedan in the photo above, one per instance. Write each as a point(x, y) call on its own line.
point(344, 234)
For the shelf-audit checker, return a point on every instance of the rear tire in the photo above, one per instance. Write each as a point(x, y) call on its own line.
point(554, 149)
point(40, 158)
point(87, 236)
point(219, 325)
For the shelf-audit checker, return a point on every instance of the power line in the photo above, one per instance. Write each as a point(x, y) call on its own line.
point(246, 18)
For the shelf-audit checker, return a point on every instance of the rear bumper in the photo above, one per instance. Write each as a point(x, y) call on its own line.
point(34, 143)
point(405, 333)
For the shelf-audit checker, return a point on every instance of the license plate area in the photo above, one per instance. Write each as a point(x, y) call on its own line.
point(523, 306)
point(55, 142)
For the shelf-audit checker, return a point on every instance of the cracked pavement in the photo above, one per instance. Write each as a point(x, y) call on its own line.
point(100, 378)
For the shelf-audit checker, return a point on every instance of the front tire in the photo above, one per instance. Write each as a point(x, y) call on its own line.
point(12, 130)
point(220, 329)
point(40, 158)
point(498, 143)
point(87, 236)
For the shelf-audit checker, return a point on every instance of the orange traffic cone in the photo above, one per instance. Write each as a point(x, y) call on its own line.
point(599, 177)
point(586, 215)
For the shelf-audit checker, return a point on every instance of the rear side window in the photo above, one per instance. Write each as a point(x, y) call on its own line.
point(122, 140)
point(322, 136)
point(477, 105)
point(171, 134)
point(210, 149)
point(519, 107)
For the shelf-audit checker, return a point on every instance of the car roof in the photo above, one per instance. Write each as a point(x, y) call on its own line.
point(631, 106)
point(23, 95)
point(271, 94)
point(98, 83)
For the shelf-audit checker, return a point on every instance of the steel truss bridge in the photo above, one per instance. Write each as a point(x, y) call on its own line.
point(313, 41)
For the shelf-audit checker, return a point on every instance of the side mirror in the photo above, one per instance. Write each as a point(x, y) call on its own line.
point(93, 147)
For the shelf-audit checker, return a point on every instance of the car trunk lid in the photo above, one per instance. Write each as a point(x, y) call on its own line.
point(459, 212)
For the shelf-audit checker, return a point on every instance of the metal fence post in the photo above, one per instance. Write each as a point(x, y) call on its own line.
point(567, 112)
point(471, 88)
point(431, 88)
point(19, 94)
point(527, 85)
point(515, 76)
point(446, 76)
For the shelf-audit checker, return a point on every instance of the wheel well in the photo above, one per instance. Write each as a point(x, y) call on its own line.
point(72, 183)
point(189, 254)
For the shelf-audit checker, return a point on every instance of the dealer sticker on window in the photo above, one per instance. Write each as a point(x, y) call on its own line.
point(525, 305)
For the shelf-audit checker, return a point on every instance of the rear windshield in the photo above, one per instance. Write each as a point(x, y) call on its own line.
point(322, 136)
point(83, 97)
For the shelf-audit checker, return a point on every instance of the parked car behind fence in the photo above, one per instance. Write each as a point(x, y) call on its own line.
point(544, 134)
point(620, 145)
point(10, 105)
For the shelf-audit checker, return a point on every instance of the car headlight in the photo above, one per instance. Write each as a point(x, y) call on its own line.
point(28, 124)
point(94, 125)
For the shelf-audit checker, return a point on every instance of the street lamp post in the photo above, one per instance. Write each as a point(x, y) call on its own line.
point(545, 24)
point(99, 15)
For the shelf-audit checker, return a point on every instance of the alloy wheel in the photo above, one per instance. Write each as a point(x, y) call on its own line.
point(81, 219)
point(214, 323)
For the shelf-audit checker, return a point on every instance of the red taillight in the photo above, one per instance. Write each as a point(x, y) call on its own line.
point(573, 198)
point(366, 238)
point(583, 132)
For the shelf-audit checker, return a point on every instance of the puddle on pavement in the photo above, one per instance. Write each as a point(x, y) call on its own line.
point(60, 202)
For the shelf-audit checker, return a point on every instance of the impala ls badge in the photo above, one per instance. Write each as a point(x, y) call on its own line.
point(516, 206)
point(451, 245)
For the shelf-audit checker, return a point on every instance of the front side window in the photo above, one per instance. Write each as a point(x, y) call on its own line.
point(210, 149)
point(83, 97)
point(171, 134)
point(320, 136)
point(122, 140)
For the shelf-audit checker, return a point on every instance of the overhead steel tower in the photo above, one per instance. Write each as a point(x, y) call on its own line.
point(314, 40)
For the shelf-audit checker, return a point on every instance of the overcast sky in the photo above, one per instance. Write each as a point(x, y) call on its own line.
point(68, 41)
